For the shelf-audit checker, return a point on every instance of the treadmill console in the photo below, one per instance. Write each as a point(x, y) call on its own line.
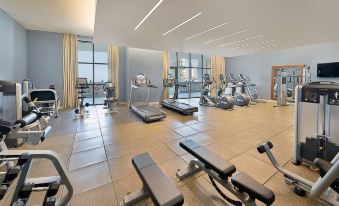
point(312, 92)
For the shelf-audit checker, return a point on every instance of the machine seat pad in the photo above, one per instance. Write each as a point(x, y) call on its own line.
point(253, 188)
point(27, 119)
point(324, 167)
point(211, 161)
point(162, 190)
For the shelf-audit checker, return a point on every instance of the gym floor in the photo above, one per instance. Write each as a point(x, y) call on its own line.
point(97, 151)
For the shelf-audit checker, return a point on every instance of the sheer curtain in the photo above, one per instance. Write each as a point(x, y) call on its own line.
point(70, 99)
point(113, 67)
point(165, 69)
point(217, 67)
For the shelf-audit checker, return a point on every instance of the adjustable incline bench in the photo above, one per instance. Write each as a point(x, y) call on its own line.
point(155, 184)
point(218, 169)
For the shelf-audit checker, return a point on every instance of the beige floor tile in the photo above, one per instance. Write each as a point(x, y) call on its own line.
point(128, 185)
point(90, 177)
point(201, 127)
point(284, 194)
point(201, 138)
point(86, 158)
point(103, 195)
point(186, 131)
point(87, 144)
point(121, 167)
point(117, 150)
point(170, 168)
point(174, 146)
point(86, 135)
point(254, 167)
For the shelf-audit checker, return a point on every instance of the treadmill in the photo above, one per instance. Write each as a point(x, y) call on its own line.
point(145, 111)
point(171, 103)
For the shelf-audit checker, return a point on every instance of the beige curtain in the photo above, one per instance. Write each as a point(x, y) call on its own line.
point(217, 67)
point(113, 67)
point(69, 70)
point(165, 69)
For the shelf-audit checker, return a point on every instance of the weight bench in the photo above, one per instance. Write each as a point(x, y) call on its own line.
point(244, 187)
point(155, 184)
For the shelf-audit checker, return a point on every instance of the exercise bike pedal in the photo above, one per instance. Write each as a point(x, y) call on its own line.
point(299, 192)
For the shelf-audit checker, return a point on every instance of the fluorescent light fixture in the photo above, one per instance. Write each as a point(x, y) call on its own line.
point(237, 42)
point(149, 13)
point(207, 31)
point(193, 17)
point(223, 37)
point(249, 45)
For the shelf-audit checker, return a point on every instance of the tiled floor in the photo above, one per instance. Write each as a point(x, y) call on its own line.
point(97, 151)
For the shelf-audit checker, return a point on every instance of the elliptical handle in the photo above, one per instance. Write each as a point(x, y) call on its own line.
point(262, 149)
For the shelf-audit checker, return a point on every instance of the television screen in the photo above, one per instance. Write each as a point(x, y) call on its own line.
point(328, 70)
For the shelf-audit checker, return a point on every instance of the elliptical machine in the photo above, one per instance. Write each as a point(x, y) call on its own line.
point(250, 89)
point(224, 102)
point(110, 97)
point(235, 90)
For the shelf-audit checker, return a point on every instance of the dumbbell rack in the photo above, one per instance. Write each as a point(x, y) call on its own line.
point(81, 111)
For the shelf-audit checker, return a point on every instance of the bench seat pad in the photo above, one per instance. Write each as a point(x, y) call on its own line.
point(253, 188)
point(211, 161)
point(162, 191)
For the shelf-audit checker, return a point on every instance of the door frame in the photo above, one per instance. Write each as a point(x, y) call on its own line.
point(281, 67)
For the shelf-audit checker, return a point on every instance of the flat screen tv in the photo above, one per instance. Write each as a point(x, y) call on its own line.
point(328, 69)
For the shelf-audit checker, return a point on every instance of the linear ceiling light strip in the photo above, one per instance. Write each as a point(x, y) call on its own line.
point(223, 37)
point(237, 42)
point(263, 47)
point(208, 30)
point(193, 17)
point(149, 13)
point(249, 45)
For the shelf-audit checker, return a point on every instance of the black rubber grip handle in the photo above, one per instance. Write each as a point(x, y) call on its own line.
point(261, 149)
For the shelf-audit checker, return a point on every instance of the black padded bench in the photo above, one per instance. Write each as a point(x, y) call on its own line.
point(214, 164)
point(155, 184)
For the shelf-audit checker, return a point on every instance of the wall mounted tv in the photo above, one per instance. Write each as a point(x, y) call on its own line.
point(328, 69)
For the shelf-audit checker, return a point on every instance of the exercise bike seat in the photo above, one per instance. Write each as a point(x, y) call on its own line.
point(211, 161)
point(324, 167)
point(253, 188)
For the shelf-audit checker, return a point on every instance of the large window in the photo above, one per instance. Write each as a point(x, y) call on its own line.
point(93, 65)
point(189, 68)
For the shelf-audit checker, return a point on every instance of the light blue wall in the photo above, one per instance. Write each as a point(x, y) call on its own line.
point(13, 58)
point(137, 61)
point(44, 59)
point(258, 66)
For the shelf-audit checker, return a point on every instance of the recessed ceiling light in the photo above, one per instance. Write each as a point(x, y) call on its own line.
point(193, 17)
point(236, 42)
point(223, 37)
point(207, 31)
point(249, 45)
point(149, 13)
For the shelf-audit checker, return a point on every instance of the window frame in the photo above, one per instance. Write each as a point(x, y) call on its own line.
point(190, 67)
point(93, 84)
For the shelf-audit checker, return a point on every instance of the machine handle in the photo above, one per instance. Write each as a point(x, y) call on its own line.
point(262, 149)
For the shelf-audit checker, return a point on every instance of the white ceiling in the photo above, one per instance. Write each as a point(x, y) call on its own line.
point(64, 16)
point(289, 23)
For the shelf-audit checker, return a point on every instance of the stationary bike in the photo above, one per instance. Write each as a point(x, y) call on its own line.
point(82, 86)
point(110, 97)
point(224, 102)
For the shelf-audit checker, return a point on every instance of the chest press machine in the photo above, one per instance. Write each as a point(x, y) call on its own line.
point(16, 164)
